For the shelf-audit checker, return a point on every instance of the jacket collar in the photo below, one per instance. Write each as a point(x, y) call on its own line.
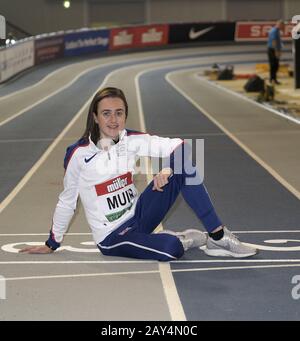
point(95, 148)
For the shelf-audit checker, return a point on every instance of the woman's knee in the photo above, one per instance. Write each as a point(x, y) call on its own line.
point(174, 248)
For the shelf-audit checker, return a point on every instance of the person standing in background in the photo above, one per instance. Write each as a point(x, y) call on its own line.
point(274, 50)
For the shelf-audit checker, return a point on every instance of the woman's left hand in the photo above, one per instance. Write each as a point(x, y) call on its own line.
point(161, 179)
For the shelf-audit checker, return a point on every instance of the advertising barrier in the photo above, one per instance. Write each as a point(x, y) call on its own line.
point(258, 30)
point(16, 58)
point(154, 35)
point(25, 54)
point(201, 32)
point(122, 38)
point(138, 36)
point(48, 48)
point(91, 41)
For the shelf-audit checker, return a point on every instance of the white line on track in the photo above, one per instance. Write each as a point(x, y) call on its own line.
point(30, 87)
point(50, 95)
point(238, 268)
point(191, 54)
point(173, 301)
point(278, 177)
point(84, 275)
point(83, 72)
point(231, 92)
point(127, 273)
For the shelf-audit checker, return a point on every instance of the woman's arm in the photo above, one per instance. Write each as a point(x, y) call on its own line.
point(37, 249)
point(156, 146)
point(64, 211)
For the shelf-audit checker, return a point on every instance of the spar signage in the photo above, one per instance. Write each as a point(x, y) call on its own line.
point(48, 48)
point(92, 41)
point(258, 30)
point(201, 32)
point(138, 36)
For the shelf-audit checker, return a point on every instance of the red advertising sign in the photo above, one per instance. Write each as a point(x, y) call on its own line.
point(153, 35)
point(122, 38)
point(139, 36)
point(258, 30)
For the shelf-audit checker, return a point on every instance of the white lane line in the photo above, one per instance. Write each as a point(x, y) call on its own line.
point(128, 273)
point(83, 275)
point(30, 87)
point(238, 268)
point(50, 95)
point(245, 98)
point(171, 293)
point(79, 262)
point(189, 60)
point(278, 177)
point(182, 54)
point(173, 301)
point(190, 57)
point(43, 158)
point(100, 66)
point(194, 261)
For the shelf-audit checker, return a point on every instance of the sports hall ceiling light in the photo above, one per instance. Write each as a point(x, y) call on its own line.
point(67, 4)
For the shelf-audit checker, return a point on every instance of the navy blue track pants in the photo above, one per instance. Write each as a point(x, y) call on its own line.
point(135, 239)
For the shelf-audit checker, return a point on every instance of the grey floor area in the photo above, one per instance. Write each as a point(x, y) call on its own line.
point(248, 198)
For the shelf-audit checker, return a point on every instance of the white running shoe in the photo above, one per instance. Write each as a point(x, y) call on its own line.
point(190, 238)
point(228, 246)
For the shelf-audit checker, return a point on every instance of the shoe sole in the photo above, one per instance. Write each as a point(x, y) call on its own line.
point(224, 253)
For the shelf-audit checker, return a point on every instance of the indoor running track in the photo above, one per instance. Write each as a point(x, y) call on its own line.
point(251, 171)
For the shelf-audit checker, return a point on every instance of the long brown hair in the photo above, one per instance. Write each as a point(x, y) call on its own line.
point(92, 129)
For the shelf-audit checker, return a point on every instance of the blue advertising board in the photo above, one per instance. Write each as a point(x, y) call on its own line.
point(91, 41)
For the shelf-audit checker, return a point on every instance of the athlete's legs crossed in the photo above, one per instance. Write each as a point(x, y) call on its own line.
point(127, 242)
point(135, 238)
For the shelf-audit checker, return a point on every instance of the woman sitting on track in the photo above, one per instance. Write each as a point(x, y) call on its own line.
point(121, 221)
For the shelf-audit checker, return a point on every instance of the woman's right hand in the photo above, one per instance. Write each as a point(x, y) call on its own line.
point(44, 249)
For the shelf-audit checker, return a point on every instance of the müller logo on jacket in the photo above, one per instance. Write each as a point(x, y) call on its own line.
point(114, 184)
point(117, 184)
point(117, 196)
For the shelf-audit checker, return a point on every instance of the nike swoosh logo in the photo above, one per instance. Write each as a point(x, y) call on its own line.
point(89, 159)
point(194, 35)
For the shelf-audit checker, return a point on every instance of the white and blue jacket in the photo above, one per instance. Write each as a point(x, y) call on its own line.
point(103, 179)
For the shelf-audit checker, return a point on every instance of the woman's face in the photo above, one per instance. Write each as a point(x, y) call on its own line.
point(111, 117)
